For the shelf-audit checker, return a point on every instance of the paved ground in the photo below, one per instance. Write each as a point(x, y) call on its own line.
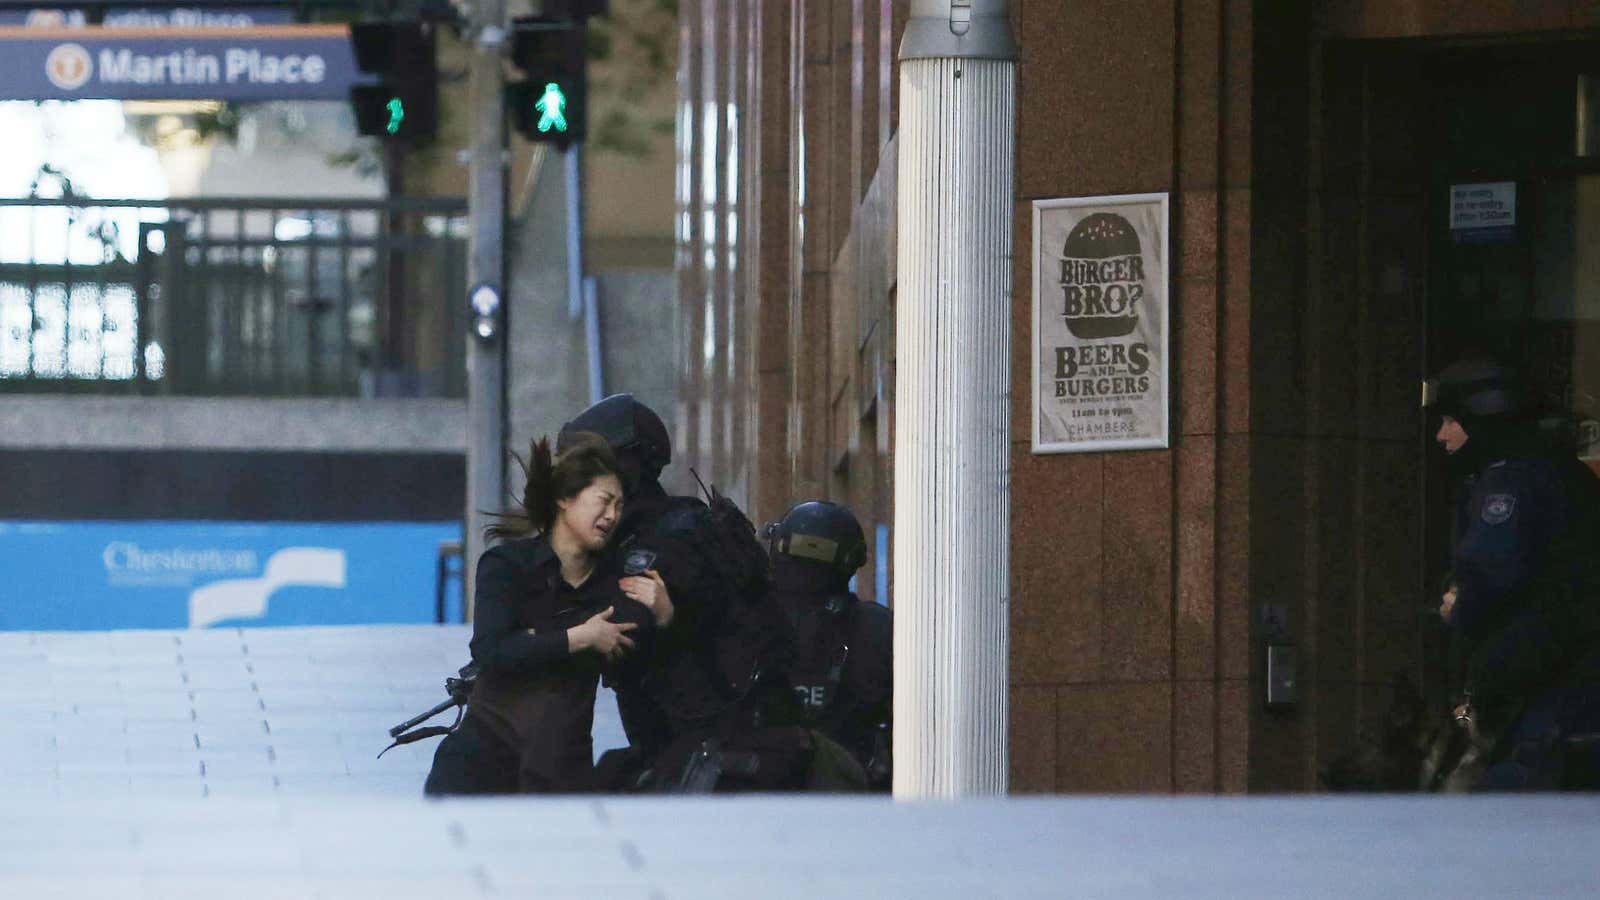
point(238, 764)
point(235, 712)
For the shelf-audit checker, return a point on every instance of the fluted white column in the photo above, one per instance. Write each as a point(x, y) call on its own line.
point(952, 407)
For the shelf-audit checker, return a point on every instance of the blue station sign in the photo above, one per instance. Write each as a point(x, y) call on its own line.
point(281, 62)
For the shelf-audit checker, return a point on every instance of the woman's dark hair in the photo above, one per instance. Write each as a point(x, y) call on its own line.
point(548, 480)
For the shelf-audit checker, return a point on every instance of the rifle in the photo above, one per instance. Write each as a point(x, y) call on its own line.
point(459, 687)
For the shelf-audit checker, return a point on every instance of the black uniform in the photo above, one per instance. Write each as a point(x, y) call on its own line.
point(702, 690)
point(843, 676)
point(1526, 568)
point(529, 721)
point(719, 662)
point(843, 673)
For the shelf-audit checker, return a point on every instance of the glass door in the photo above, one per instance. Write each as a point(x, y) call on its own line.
point(1513, 268)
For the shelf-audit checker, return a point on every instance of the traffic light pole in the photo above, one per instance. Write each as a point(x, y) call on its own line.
point(573, 164)
point(580, 302)
point(486, 210)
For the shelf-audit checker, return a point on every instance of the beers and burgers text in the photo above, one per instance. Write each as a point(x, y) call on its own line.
point(1110, 369)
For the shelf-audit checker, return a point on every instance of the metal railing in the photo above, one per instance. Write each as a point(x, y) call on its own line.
point(233, 296)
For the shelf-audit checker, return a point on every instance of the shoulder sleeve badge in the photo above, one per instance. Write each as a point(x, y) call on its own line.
point(637, 561)
point(1497, 508)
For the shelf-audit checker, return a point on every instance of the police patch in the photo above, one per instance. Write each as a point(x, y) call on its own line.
point(1497, 508)
point(637, 561)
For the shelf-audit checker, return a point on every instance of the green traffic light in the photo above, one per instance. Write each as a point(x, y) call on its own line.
point(552, 106)
point(397, 114)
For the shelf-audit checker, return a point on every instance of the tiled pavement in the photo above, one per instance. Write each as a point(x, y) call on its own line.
point(236, 712)
point(239, 764)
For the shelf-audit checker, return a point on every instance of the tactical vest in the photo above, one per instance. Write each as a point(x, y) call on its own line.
point(843, 671)
point(726, 638)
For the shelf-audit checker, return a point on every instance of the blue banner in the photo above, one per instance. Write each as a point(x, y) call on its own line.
point(286, 62)
point(111, 575)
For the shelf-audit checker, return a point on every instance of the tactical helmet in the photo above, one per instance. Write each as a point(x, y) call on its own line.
point(1474, 390)
point(630, 427)
point(820, 532)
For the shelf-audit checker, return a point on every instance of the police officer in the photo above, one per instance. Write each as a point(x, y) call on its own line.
point(720, 652)
point(843, 672)
point(1523, 595)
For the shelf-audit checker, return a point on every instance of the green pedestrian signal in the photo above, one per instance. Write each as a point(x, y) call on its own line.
point(549, 104)
point(552, 107)
point(401, 104)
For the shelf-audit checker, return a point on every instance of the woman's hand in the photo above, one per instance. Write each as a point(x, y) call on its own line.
point(600, 634)
point(651, 591)
point(1447, 604)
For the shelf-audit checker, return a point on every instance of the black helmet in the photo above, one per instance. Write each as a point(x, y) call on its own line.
point(1475, 390)
point(629, 427)
point(817, 531)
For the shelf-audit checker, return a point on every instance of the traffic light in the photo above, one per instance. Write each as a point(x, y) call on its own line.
point(551, 104)
point(403, 104)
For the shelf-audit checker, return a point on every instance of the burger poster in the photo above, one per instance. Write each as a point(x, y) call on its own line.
point(1100, 323)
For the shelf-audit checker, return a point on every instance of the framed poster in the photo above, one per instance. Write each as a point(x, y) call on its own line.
point(1100, 323)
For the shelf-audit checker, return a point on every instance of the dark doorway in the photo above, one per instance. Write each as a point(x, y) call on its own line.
point(1513, 267)
point(1401, 130)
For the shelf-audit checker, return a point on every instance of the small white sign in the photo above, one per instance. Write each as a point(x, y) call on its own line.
point(1489, 205)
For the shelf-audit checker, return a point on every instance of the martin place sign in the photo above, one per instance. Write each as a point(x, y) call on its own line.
point(279, 62)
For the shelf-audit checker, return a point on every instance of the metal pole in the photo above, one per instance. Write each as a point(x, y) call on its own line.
point(486, 202)
point(952, 409)
point(591, 335)
point(573, 160)
point(392, 357)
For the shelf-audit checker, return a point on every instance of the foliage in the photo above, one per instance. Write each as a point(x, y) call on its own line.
point(636, 46)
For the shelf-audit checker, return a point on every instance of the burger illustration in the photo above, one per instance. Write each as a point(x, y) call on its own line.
point(1102, 277)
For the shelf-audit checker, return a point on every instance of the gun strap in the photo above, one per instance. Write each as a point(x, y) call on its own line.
point(422, 734)
point(702, 770)
point(837, 660)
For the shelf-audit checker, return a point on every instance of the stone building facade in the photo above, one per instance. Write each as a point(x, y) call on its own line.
point(1306, 149)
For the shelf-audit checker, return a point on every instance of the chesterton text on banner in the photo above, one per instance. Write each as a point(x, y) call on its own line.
point(1100, 323)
